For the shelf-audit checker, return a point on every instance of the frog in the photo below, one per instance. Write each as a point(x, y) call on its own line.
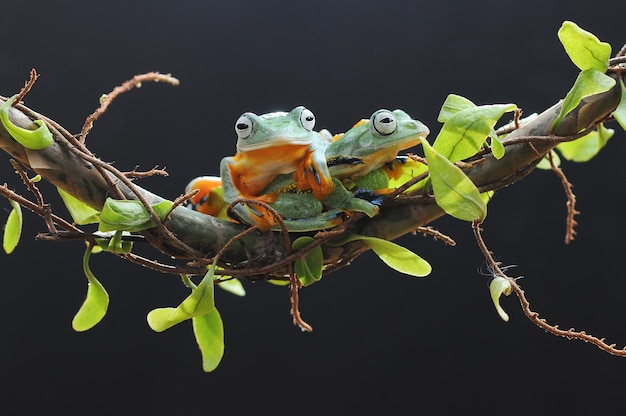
point(270, 145)
point(373, 144)
point(389, 130)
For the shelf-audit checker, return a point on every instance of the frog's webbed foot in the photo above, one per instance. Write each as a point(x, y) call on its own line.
point(364, 201)
point(255, 211)
point(314, 175)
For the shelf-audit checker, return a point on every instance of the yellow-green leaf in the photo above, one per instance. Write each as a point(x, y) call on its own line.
point(454, 192)
point(465, 131)
point(96, 303)
point(81, 213)
point(395, 256)
point(129, 215)
point(589, 82)
point(545, 162)
point(233, 286)
point(309, 268)
point(12, 228)
point(209, 332)
point(453, 104)
point(500, 286)
point(584, 48)
point(585, 148)
point(200, 301)
point(38, 137)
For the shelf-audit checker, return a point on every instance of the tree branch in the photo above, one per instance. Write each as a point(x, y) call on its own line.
point(65, 166)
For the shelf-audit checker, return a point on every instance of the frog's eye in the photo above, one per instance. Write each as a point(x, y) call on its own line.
point(307, 119)
point(243, 127)
point(383, 122)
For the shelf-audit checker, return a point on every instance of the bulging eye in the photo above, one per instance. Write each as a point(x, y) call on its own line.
point(307, 119)
point(244, 126)
point(383, 122)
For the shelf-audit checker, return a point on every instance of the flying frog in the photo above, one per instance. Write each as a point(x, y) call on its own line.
point(373, 144)
point(268, 146)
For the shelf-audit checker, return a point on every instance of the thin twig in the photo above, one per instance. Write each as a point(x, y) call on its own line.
point(107, 99)
point(570, 232)
point(29, 84)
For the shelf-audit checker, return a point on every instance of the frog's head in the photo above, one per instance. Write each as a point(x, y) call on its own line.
point(275, 129)
point(372, 142)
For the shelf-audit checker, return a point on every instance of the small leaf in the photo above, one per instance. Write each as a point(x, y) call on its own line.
point(209, 332)
point(37, 138)
point(81, 213)
point(620, 111)
point(453, 104)
point(588, 82)
point(233, 286)
point(113, 242)
point(12, 228)
point(545, 162)
point(96, 303)
point(498, 287)
point(309, 268)
point(454, 191)
point(129, 215)
point(585, 148)
point(584, 48)
point(497, 148)
point(465, 132)
point(200, 301)
point(395, 256)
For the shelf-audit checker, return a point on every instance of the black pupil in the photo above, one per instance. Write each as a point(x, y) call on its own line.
point(242, 126)
point(386, 120)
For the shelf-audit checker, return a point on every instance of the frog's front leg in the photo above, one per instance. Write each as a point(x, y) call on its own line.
point(313, 173)
point(247, 213)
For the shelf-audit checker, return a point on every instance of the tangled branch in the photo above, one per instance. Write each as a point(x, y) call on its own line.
point(191, 240)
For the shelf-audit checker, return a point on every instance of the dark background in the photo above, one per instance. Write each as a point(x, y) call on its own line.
point(382, 341)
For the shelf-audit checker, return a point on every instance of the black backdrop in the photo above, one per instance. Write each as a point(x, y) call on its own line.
point(381, 340)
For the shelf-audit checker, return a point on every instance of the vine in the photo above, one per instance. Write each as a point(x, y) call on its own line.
point(457, 175)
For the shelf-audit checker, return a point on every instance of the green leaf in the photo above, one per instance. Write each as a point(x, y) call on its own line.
point(620, 111)
point(497, 148)
point(130, 215)
point(545, 162)
point(81, 213)
point(209, 332)
point(233, 286)
point(309, 268)
point(454, 191)
point(585, 148)
point(36, 138)
point(395, 256)
point(96, 303)
point(200, 301)
point(453, 104)
point(584, 48)
point(500, 286)
point(588, 82)
point(465, 131)
point(12, 228)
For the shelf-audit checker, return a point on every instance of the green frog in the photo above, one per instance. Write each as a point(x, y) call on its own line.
point(363, 157)
point(271, 145)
